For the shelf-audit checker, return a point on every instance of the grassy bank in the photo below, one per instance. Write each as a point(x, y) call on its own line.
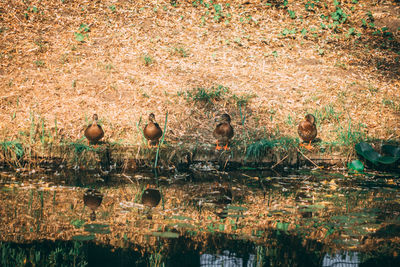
point(266, 63)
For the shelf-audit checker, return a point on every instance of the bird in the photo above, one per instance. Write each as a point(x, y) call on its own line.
point(151, 197)
point(152, 131)
point(223, 132)
point(92, 198)
point(94, 132)
point(307, 130)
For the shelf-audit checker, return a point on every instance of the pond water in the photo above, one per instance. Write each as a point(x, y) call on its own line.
point(245, 217)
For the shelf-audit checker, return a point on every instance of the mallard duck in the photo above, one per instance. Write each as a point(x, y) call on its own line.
point(94, 132)
point(152, 131)
point(223, 132)
point(151, 197)
point(307, 130)
point(92, 198)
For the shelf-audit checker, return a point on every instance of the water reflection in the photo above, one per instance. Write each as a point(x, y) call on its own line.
point(346, 259)
point(264, 220)
point(227, 259)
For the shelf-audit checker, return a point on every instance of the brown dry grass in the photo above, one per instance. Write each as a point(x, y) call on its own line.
point(45, 71)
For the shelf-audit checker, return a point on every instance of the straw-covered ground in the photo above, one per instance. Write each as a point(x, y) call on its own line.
point(266, 63)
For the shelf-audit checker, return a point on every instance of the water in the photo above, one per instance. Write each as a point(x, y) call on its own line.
point(205, 218)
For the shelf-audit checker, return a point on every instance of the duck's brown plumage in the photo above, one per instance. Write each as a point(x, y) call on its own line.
point(223, 132)
point(94, 132)
point(151, 197)
point(307, 129)
point(152, 130)
point(92, 198)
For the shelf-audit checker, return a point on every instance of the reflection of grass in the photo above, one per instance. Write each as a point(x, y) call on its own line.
point(42, 255)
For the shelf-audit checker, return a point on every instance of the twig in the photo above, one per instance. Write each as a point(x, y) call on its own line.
point(279, 162)
point(226, 162)
point(141, 130)
point(127, 177)
point(308, 158)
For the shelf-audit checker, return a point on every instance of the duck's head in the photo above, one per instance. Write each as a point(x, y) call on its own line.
point(225, 118)
point(95, 117)
point(152, 117)
point(310, 118)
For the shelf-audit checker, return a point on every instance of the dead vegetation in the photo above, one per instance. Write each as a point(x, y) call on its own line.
point(62, 61)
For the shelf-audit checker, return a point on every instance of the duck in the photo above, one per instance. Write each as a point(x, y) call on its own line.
point(94, 132)
point(307, 130)
point(151, 197)
point(223, 132)
point(92, 198)
point(152, 131)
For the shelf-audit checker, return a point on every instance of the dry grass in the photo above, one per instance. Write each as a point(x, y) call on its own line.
point(47, 72)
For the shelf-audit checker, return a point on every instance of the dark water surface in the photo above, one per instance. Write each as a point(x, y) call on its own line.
point(206, 217)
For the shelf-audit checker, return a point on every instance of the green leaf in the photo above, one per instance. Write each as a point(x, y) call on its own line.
point(387, 160)
point(217, 8)
point(84, 27)
point(77, 223)
point(356, 165)
point(393, 151)
point(79, 37)
point(369, 153)
point(292, 14)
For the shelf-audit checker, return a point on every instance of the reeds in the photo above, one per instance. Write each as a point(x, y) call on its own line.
point(162, 141)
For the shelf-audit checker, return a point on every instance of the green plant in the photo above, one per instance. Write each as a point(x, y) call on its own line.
point(180, 51)
point(147, 60)
point(287, 32)
point(39, 63)
point(112, 8)
point(368, 152)
point(12, 147)
point(162, 140)
point(259, 149)
point(320, 51)
point(310, 5)
point(201, 94)
point(391, 104)
point(81, 35)
point(338, 16)
point(383, 32)
point(243, 100)
point(349, 136)
point(289, 120)
point(292, 14)
point(326, 114)
point(218, 14)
